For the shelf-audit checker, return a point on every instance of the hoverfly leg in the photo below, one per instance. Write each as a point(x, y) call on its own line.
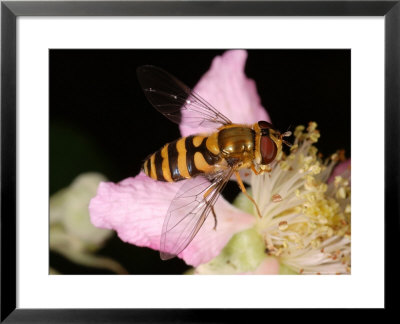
point(243, 188)
point(263, 169)
point(211, 206)
point(266, 168)
point(255, 170)
point(215, 218)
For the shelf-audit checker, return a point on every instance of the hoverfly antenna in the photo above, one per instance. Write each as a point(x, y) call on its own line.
point(290, 126)
point(286, 134)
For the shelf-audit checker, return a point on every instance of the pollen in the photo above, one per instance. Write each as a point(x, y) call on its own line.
point(314, 137)
point(312, 126)
point(299, 131)
point(341, 193)
point(294, 147)
point(323, 187)
point(284, 165)
point(315, 169)
point(283, 225)
point(276, 198)
point(338, 180)
point(322, 219)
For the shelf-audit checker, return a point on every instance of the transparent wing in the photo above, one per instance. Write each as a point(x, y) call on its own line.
point(188, 211)
point(176, 101)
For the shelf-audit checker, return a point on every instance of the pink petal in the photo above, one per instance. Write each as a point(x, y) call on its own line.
point(208, 243)
point(342, 168)
point(136, 208)
point(226, 87)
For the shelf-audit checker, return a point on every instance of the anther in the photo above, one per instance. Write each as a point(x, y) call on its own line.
point(283, 225)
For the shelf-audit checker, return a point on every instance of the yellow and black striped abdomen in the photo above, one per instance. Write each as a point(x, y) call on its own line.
point(182, 159)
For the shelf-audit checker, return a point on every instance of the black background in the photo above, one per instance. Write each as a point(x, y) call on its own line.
point(101, 121)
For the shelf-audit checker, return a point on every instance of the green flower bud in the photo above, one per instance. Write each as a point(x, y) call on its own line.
point(244, 252)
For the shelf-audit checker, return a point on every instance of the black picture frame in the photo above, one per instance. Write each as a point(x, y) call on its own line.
point(10, 10)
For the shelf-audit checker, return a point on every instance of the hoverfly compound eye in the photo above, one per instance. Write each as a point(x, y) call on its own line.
point(264, 124)
point(268, 150)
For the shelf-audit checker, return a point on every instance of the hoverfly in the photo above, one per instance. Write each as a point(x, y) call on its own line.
point(205, 161)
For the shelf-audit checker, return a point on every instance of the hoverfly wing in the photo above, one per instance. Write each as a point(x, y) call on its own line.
point(176, 101)
point(188, 211)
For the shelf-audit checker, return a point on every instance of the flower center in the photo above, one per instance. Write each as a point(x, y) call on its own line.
point(305, 220)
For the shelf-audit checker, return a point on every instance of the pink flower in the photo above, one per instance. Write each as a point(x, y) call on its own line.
point(136, 207)
point(305, 223)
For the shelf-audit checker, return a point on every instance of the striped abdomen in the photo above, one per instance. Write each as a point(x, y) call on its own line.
point(181, 159)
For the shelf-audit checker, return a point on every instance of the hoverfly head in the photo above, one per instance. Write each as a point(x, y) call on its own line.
point(271, 141)
point(268, 144)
